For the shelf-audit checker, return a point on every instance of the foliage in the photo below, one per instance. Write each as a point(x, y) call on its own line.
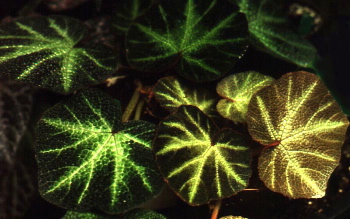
point(302, 136)
point(174, 95)
point(87, 130)
point(199, 161)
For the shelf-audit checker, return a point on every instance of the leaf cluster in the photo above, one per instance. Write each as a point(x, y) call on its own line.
point(162, 96)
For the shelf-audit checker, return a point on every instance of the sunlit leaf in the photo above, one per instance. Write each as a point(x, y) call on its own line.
point(199, 161)
point(16, 188)
point(172, 92)
point(88, 159)
point(272, 32)
point(237, 91)
point(203, 38)
point(44, 51)
point(303, 129)
point(128, 11)
point(15, 107)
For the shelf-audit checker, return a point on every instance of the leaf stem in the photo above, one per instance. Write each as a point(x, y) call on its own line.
point(139, 110)
point(133, 102)
point(215, 213)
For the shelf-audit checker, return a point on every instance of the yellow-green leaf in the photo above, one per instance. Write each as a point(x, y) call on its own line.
point(237, 91)
point(302, 129)
point(172, 92)
point(199, 161)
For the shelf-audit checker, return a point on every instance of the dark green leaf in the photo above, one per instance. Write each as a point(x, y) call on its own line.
point(86, 215)
point(199, 161)
point(128, 11)
point(143, 214)
point(44, 51)
point(88, 159)
point(204, 38)
point(172, 92)
point(272, 32)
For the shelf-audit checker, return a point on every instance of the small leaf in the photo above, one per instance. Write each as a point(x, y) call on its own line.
point(273, 33)
point(15, 107)
point(237, 91)
point(303, 129)
point(143, 214)
point(199, 161)
point(44, 51)
point(204, 38)
point(172, 92)
point(88, 159)
point(128, 11)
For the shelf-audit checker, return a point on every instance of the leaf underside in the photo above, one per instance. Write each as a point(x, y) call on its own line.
point(43, 51)
point(199, 161)
point(203, 38)
point(237, 91)
point(273, 33)
point(303, 129)
point(82, 143)
point(172, 92)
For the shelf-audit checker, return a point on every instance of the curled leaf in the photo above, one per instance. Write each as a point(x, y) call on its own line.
point(44, 51)
point(302, 129)
point(199, 161)
point(82, 143)
point(204, 39)
point(237, 91)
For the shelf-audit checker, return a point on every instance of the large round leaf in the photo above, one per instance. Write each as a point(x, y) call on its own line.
point(172, 92)
point(199, 161)
point(303, 129)
point(237, 90)
point(88, 159)
point(205, 38)
point(273, 33)
point(44, 51)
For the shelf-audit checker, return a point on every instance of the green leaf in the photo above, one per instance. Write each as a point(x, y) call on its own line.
point(128, 11)
point(199, 161)
point(86, 215)
point(302, 129)
point(16, 102)
point(273, 33)
point(203, 38)
point(237, 91)
point(44, 51)
point(172, 92)
point(143, 214)
point(88, 159)
point(133, 214)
